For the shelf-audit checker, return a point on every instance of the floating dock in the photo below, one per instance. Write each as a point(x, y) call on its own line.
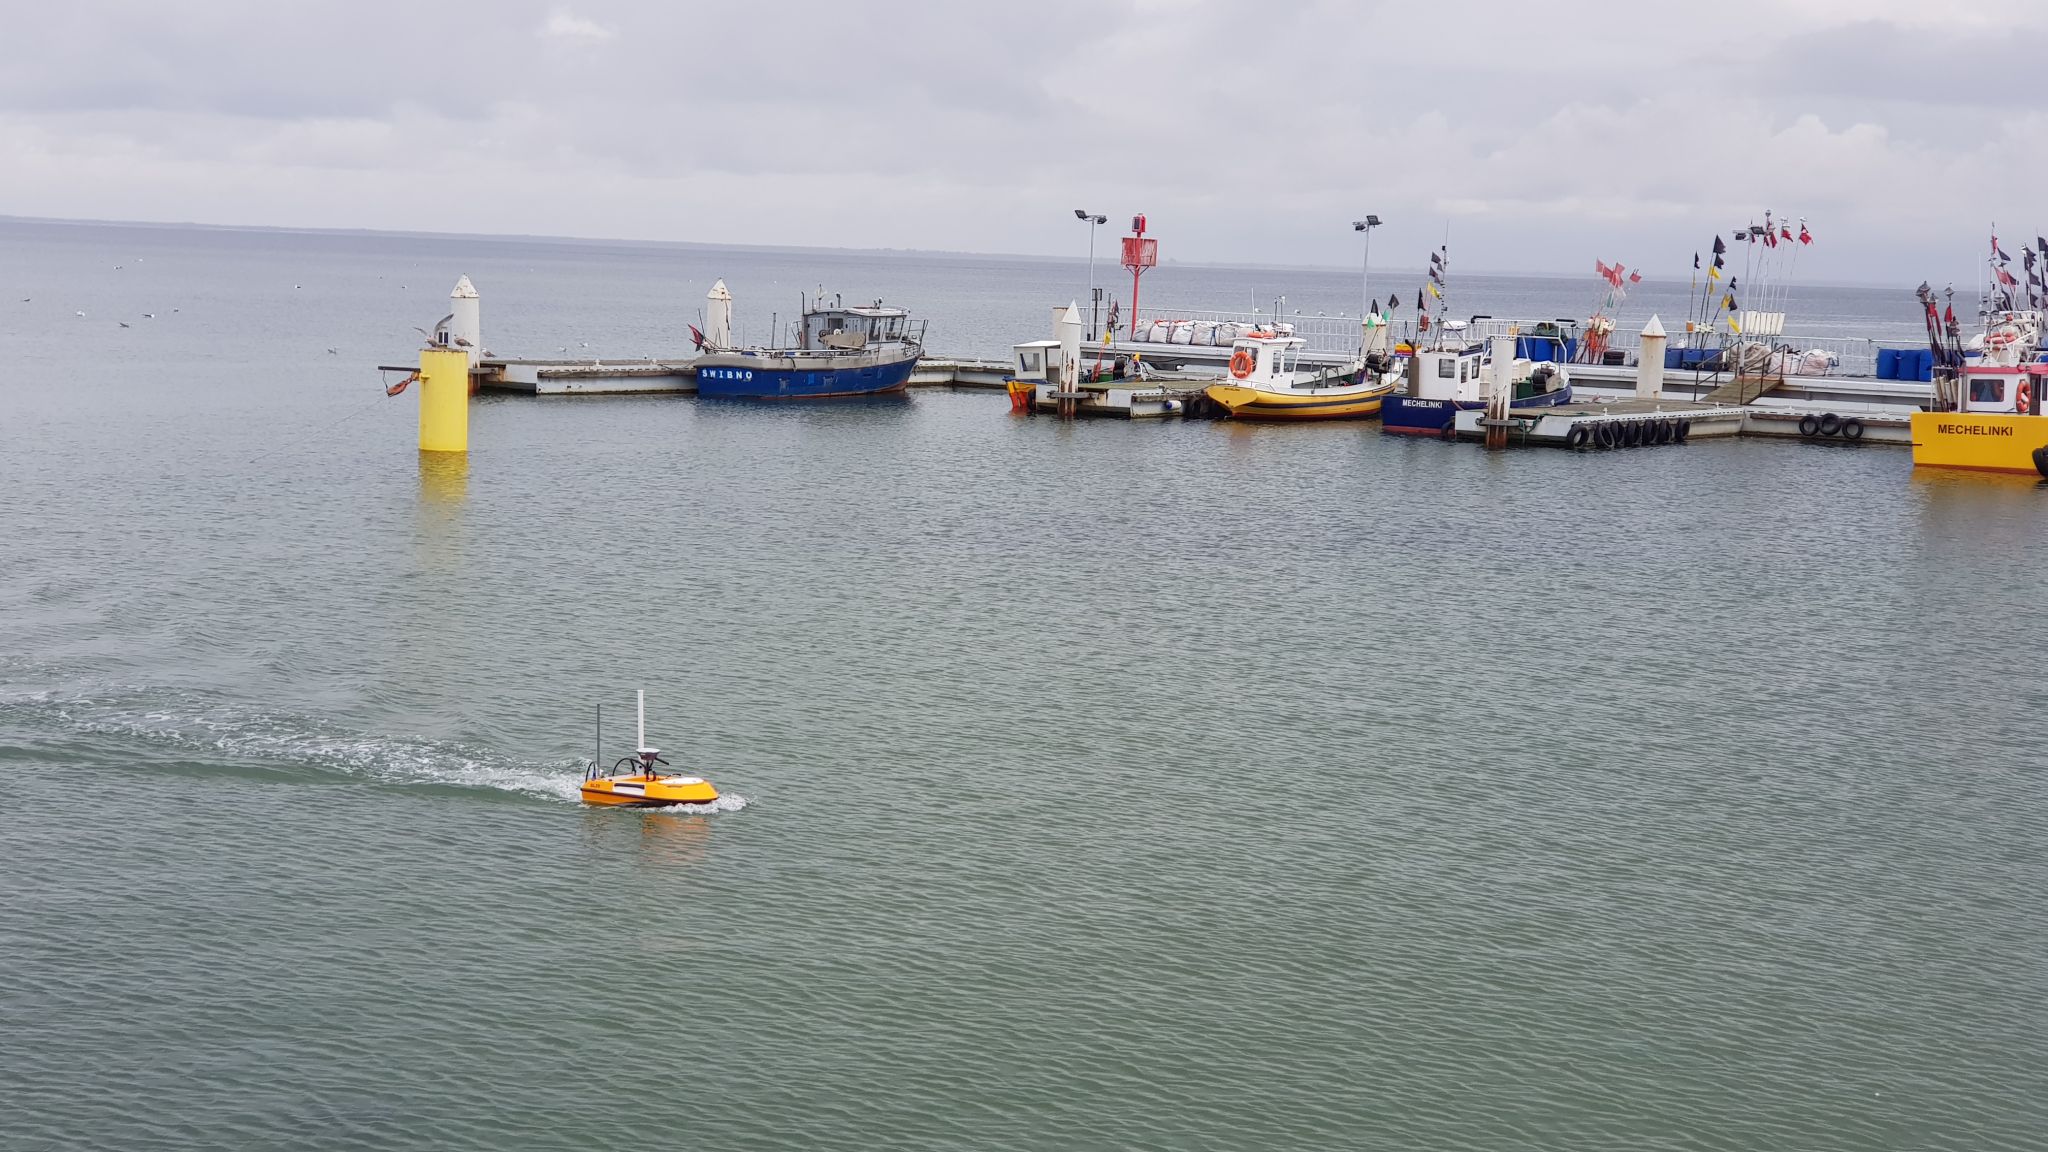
point(679, 377)
point(1629, 423)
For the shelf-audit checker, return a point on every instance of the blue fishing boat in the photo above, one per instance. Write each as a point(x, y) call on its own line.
point(1454, 375)
point(840, 351)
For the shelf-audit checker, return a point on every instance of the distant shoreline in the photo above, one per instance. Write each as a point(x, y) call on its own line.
point(699, 246)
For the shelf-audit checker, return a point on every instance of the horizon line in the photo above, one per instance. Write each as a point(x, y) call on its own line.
point(620, 241)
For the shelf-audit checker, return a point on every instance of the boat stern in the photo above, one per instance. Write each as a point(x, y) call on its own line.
point(1980, 441)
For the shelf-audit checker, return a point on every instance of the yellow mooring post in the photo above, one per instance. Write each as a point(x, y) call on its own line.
point(444, 400)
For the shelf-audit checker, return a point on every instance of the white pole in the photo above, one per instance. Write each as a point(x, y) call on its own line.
point(1094, 318)
point(1650, 361)
point(467, 324)
point(1365, 274)
point(640, 706)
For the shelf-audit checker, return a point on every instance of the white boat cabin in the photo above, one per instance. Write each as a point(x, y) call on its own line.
point(1272, 363)
point(1450, 373)
point(2003, 388)
point(858, 327)
point(2002, 369)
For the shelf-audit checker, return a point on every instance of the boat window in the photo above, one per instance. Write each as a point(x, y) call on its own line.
point(1446, 368)
point(1029, 363)
point(1987, 390)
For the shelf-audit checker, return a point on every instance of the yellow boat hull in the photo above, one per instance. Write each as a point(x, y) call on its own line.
point(647, 791)
point(1983, 441)
point(1259, 404)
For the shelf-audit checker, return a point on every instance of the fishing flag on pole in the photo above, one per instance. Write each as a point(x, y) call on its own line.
point(1719, 247)
point(1695, 261)
point(1421, 305)
point(1635, 277)
point(1998, 253)
point(1436, 291)
point(1785, 230)
point(1805, 237)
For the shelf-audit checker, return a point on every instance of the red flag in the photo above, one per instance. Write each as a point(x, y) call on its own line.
point(1770, 239)
point(1637, 277)
point(1787, 230)
point(395, 389)
point(1600, 268)
point(1805, 237)
point(1614, 275)
point(2005, 278)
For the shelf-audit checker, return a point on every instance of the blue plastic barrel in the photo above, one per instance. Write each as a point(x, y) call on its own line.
point(1887, 363)
point(1925, 365)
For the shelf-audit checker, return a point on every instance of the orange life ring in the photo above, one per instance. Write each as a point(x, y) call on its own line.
point(2024, 398)
point(1241, 363)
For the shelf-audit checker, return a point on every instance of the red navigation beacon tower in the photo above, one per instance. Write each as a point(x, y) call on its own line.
point(1140, 253)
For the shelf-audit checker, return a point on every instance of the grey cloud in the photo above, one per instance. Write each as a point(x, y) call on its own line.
point(1249, 132)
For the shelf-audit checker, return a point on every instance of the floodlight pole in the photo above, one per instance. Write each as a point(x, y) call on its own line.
point(1094, 294)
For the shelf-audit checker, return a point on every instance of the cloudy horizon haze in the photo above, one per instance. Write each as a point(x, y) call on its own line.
point(1537, 137)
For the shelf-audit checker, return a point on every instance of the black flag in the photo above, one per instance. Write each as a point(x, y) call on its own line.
point(1375, 307)
point(1719, 247)
point(1419, 305)
point(1695, 261)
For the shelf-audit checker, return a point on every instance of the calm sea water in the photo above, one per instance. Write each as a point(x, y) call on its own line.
point(1165, 786)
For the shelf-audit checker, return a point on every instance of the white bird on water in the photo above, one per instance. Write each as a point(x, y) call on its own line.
point(79, 313)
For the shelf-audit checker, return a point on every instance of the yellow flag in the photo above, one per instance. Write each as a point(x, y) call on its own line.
point(1713, 273)
point(1436, 292)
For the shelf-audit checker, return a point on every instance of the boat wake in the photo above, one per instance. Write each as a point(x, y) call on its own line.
point(169, 728)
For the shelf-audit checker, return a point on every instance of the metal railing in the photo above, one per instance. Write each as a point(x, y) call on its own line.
point(1787, 354)
point(1329, 334)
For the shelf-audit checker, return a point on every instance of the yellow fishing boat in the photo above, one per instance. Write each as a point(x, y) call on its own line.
point(1267, 383)
point(1988, 412)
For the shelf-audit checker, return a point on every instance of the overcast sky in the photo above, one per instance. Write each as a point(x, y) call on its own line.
point(1542, 135)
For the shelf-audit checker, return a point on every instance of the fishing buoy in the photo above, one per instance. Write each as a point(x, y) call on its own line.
point(637, 781)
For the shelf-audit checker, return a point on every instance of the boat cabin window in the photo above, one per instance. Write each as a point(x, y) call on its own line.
point(1446, 369)
point(1987, 390)
point(1030, 363)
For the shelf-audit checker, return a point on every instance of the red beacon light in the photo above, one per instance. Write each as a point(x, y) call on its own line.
point(1140, 253)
